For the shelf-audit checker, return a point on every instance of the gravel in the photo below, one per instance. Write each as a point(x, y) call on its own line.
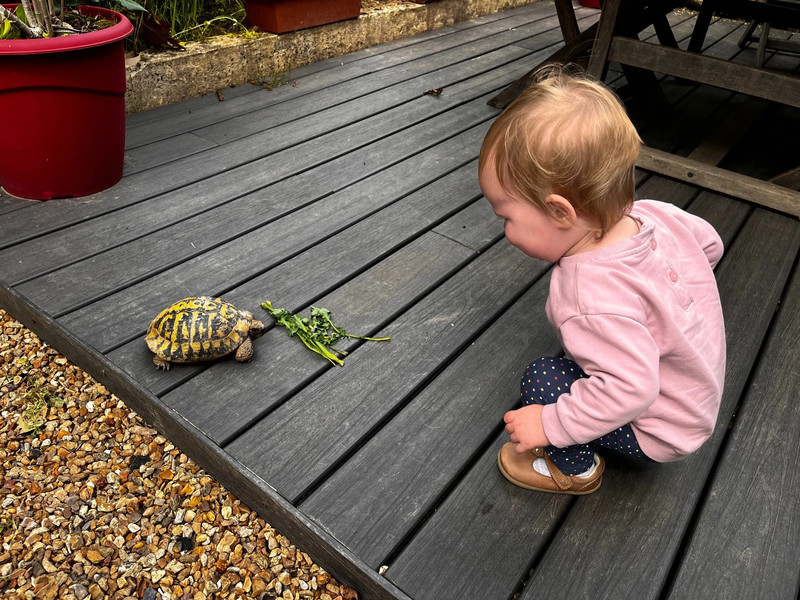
point(94, 503)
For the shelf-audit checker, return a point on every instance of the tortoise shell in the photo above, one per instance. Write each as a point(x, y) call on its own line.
point(197, 329)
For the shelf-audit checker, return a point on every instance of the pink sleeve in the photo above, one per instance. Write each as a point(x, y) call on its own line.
point(622, 361)
point(706, 236)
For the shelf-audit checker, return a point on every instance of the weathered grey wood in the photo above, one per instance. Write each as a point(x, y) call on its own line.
point(466, 43)
point(475, 227)
point(369, 300)
point(651, 508)
point(412, 77)
point(223, 267)
point(240, 225)
point(704, 69)
point(339, 409)
point(748, 527)
point(482, 542)
point(721, 180)
point(376, 499)
point(253, 491)
point(789, 179)
point(9, 203)
point(304, 143)
point(159, 153)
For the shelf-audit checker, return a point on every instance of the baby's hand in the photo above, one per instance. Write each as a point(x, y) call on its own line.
point(524, 426)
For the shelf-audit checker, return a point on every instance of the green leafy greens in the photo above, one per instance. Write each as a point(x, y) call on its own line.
point(319, 334)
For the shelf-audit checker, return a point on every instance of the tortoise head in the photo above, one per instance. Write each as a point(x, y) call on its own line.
point(256, 329)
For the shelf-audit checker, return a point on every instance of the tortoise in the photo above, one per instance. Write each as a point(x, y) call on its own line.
point(201, 328)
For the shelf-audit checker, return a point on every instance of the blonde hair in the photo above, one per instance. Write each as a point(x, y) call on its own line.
point(567, 135)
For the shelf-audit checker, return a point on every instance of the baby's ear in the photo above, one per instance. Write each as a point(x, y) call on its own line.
point(561, 210)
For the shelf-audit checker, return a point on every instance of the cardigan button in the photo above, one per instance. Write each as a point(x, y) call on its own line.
point(673, 276)
point(653, 244)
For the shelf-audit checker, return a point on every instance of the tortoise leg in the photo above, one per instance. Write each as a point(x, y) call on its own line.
point(245, 352)
point(160, 363)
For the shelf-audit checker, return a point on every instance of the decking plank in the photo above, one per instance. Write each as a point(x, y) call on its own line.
point(9, 203)
point(373, 501)
point(244, 225)
point(745, 542)
point(341, 77)
point(332, 415)
point(232, 173)
point(411, 79)
point(482, 542)
point(363, 306)
point(223, 268)
point(166, 151)
point(371, 300)
point(197, 168)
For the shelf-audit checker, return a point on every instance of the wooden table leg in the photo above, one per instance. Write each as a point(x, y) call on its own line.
point(567, 20)
point(598, 63)
point(701, 26)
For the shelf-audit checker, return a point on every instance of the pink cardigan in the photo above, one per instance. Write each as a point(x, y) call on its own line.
point(643, 319)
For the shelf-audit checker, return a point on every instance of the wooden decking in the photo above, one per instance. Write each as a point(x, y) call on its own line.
point(352, 190)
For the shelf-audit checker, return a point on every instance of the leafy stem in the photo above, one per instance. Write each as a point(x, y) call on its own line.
point(318, 333)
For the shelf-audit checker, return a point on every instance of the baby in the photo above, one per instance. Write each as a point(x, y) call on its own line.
point(633, 297)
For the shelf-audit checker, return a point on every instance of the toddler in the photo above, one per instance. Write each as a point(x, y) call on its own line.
point(633, 297)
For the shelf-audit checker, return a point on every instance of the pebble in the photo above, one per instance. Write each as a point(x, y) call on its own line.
point(98, 505)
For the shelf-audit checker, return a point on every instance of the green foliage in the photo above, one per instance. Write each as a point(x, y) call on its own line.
point(192, 20)
point(174, 20)
point(319, 334)
point(272, 80)
point(7, 29)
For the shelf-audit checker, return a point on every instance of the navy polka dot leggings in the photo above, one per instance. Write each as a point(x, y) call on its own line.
point(544, 381)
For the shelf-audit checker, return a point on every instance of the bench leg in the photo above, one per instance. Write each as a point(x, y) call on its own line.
point(598, 63)
point(701, 26)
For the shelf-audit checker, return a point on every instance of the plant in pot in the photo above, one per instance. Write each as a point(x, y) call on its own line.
point(62, 96)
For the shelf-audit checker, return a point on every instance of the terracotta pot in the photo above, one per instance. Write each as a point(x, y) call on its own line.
point(63, 106)
point(280, 16)
point(590, 3)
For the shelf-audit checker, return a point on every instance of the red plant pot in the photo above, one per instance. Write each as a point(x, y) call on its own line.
point(63, 106)
point(590, 3)
point(280, 16)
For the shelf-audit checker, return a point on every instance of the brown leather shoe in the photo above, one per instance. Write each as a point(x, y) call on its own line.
point(518, 469)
